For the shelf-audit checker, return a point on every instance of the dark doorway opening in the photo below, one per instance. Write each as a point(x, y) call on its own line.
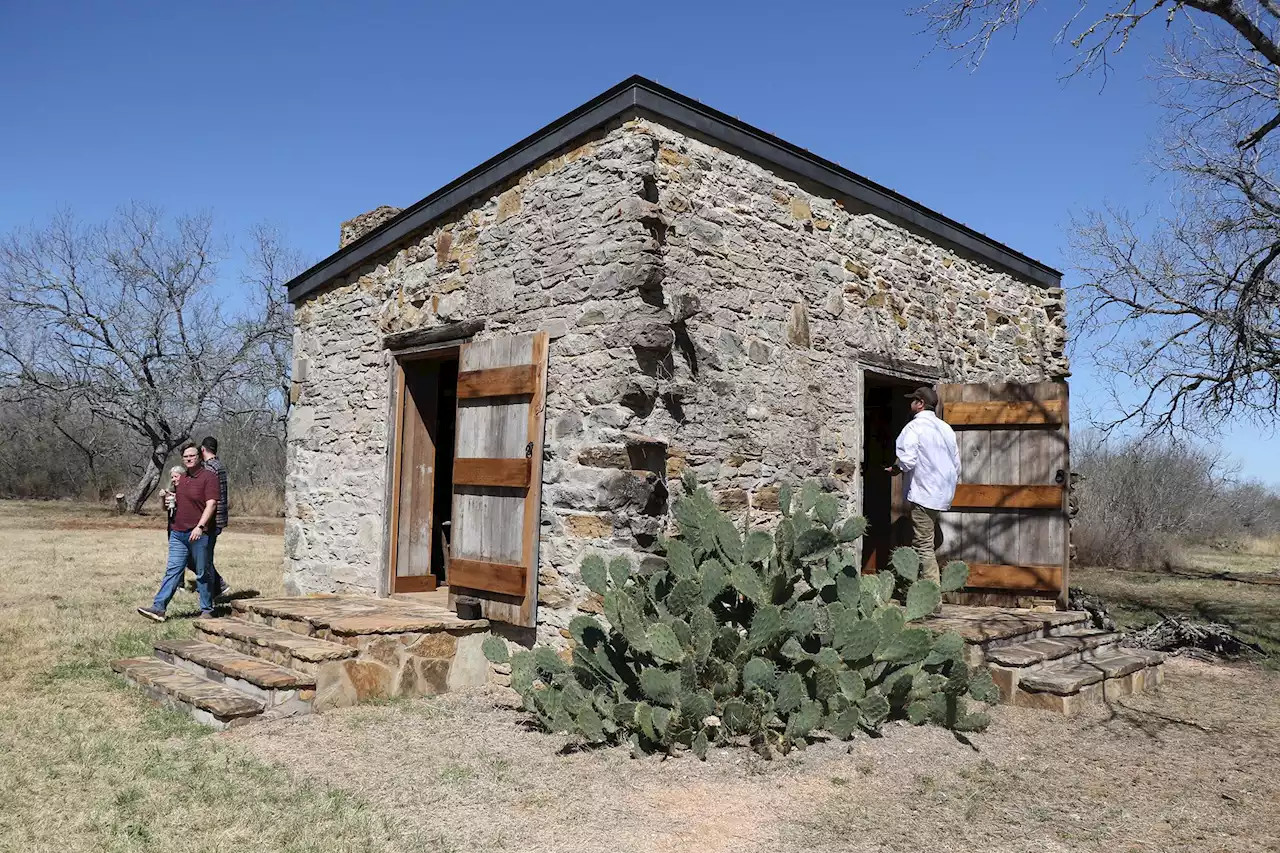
point(885, 411)
point(423, 491)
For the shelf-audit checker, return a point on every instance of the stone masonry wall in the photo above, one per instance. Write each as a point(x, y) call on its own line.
point(706, 314)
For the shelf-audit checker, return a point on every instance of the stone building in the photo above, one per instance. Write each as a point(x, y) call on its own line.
point(535, 352)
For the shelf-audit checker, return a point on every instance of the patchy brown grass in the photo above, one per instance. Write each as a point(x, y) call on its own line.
point(87, 764)
point(1261, 555)
point(1138, 598)
point(1188, 769)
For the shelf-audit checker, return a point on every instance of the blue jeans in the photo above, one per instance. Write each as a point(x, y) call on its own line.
point(212, 536)
point(180, 550)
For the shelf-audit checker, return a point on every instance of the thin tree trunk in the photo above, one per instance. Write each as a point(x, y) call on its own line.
point(150, 478)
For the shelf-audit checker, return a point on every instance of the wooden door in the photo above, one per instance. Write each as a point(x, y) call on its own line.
point(497, 476)
point(416, 451)
point(1009, 517)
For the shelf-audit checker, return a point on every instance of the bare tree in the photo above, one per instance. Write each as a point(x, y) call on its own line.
point(1190, 299)
point(269, 265)
point(123, 319)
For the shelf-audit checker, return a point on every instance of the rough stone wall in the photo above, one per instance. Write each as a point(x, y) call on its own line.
point(706, 314)
point(570, 234)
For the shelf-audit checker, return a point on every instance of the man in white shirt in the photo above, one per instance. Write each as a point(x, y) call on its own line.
point(929, 459)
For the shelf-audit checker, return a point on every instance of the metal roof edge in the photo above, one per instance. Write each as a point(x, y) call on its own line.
point(639, 93)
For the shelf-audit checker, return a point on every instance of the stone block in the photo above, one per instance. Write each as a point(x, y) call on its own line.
point(509, 204)
point(369, 679)
point(731, 499)
point(334, 688)
point(797, 330)
point(432, 676)
point(604, 456)
point(470, 668)
point(437, 644)
point(766, 498)
point(587, 526)
point(384, 650)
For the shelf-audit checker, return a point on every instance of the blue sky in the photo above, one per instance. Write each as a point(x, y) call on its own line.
point(305, 114)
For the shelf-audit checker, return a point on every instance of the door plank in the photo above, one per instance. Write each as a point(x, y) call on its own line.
point(417, 479)
point(513, 381)
point(996, 413)
point(503, 578)
point(1006, 496)
point(509, 473)
point(994, 576)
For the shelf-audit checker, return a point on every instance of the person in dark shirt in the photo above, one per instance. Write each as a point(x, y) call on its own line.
point(209, 454)
point(195, 502)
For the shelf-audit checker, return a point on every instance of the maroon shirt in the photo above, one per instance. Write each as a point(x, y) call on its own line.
point(193, 491)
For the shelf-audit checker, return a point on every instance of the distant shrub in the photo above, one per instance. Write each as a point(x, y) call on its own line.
point(1140, 499)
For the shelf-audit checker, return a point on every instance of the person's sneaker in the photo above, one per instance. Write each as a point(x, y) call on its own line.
point(224, 591)
point(152, 613)
point(206, 614)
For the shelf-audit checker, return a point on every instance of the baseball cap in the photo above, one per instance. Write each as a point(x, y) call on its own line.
point(925, 395)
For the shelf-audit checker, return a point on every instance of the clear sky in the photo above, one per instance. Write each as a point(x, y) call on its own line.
point(305, 114)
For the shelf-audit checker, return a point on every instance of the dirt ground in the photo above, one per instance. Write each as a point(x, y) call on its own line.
point(87, 764)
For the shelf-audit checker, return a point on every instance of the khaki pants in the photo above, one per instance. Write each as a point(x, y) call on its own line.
point(924, 526)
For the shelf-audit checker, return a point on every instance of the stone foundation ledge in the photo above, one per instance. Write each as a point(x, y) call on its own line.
point(408, 664)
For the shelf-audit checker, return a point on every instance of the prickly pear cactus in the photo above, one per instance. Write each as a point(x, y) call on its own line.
point(767, 638)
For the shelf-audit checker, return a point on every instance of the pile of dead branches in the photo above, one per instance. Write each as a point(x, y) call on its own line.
point(1177, 635)
point(1099, 616)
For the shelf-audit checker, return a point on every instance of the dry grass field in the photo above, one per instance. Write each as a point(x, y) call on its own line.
point(1196, 588)
point(88, 765)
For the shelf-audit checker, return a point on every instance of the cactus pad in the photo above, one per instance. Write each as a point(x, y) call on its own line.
point(760, 674)
point(680, 559)
point(495, 649)
point(954, 576)
point(594, 574)
point(766, 626)
point(757, 546)
point(906, 562)
point(909, 646)
point(922, 598)
point(663, 643)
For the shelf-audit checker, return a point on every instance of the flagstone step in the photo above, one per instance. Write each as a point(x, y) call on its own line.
point(287, 648)
point(278, 687)
point(207, 702)
point(1067, 685)
point(337, 617)
point(1034, 654)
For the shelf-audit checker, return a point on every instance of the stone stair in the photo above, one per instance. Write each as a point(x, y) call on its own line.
point(276, 658)
point(1052, 661)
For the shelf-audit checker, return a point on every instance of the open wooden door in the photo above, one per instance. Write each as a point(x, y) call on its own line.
point(497, 476)
point(1009, 517)
point(416, 440)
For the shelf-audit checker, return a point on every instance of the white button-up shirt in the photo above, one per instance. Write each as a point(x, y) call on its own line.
point(930, 461)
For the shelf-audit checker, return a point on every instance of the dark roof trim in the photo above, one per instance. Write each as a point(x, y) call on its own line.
point(635, 95)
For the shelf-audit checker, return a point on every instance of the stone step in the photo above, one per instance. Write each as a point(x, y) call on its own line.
point(277, 645)
point(211, 704)
point(1067, 685)
point(1034, 654)
point(276, 686)
point(337, 617)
